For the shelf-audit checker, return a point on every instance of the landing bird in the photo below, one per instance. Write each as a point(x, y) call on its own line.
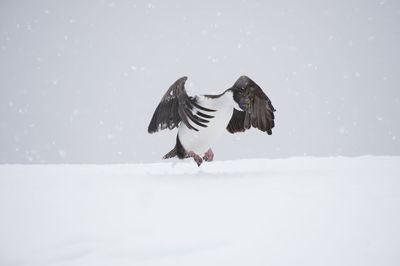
point(202, 119)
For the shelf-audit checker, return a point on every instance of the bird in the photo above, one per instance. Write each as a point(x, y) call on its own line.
point(201, 119)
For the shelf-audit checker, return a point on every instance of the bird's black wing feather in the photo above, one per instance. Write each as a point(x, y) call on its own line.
point(260, 113)
point(176, 106)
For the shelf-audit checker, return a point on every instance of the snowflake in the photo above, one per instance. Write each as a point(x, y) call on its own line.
point(62, 153)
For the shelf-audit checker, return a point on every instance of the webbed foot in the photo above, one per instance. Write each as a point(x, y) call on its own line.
point(208, 156)
point(196, 157)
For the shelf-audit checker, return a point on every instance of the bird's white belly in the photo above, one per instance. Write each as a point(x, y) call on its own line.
point(200, 141)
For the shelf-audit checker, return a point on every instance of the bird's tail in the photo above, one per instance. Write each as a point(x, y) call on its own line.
point(170, 154)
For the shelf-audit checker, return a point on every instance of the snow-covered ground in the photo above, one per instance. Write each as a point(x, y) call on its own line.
point(298, 211)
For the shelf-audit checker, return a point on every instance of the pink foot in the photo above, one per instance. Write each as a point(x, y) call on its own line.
point(209, 156)
point(196, 157)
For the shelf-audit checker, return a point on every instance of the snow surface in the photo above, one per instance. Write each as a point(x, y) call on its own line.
point(297, 211)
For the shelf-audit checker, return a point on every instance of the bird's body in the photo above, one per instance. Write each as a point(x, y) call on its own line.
point(202, 119)
point(200, 141)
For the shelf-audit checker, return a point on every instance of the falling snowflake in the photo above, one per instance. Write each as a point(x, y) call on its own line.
point(342, 130)
point(62, 153)
point(350, 43)
point(204, 33)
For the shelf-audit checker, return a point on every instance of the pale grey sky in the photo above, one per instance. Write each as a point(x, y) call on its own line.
point(79, 80)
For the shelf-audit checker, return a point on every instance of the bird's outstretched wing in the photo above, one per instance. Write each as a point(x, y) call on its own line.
point(177, 106)
point(259, 114)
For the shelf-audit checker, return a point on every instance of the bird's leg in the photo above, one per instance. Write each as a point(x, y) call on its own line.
point(209, 156)
point(196, 157)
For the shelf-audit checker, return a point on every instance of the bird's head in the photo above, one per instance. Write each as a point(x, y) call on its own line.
point(241, 98)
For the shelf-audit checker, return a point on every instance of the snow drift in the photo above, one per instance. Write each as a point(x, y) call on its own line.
point(298, 211)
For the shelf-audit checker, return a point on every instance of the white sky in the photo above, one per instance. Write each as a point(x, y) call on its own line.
point(79, 81)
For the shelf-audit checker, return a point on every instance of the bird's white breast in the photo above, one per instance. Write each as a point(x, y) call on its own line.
point(200, 141)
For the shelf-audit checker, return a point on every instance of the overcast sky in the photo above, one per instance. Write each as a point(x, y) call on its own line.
point(80, 80)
